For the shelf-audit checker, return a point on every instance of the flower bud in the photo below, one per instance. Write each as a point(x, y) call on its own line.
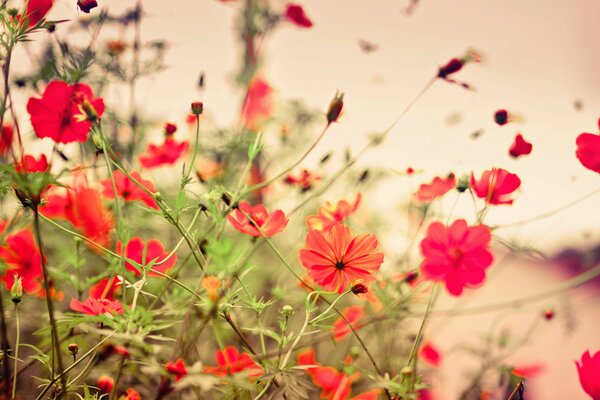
point(463, 183)
point(451, 67)
point(407, 371)
point(549, 314)
point(359, 288)
point(197, 107)
point(16, 292)
point(287, 310)
point(335, 108)
point(501, 117)
point(87, 5)
point(170, 129)
point(74, 349)
point(105, 384)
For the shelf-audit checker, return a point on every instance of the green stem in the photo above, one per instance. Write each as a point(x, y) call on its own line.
point(16, 355)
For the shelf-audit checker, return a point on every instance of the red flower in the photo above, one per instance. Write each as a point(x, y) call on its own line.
point(430, 354)
point(37, 9)
point(329, 215)
point(372, 394)
point(340, 328)
point(295, 14)
point(258, 104)
point(170, 129)
point(307, 357)
point(334, 385)
point(131, 394)
point(456, 64)
point(495, 186)
point(87, 5)
point(128, 190)
point(30, 164)
point(588, 150)
point(177, 369)
point(230, 361)
point(520, 147)
point(438, 187)
point(528, 371)
point(154, 250)
point(165, 154)
point(336, 258)
point(270, 224)
point(457, 255)
point(105, 384)
point(208, 170)
point(65, 112)
point(6, 139)
point(589, 373)
point(502, 117)
point(22, 257)
point(304, 179)
point(93, 306)
point(105, 288)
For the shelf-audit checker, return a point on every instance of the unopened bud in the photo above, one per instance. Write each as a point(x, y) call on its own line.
point(407, 371)
point(16, 292)
point(197, 107)
point(73, 348)
point(549, 314)
point(463, 183)
point(106, 384)
point(170, 129)
point(359, 288)
point(287, 310)
point(501, 117)
point(335, 108)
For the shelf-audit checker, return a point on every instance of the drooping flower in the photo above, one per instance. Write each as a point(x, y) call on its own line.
point(430, 354)
point(520, 147)
point(304, 180)
point(258, 104)
point(438, 187)
point(87, 5)
point(176, 369)
point(588, 150)
point(340, 327)
point(457, 255)
point(230, 361)
point(105, 288)
point(167, 153)
point(65, 112)
point(295, 14)
point(143, 253)
point(96, 307)
point(269, 223)
point(128, 190)
point(105, 384)
point(6, 139)
point(336, 258)
point(36, 10)
point(329, 214)
point(495, 186)
point(589, 374)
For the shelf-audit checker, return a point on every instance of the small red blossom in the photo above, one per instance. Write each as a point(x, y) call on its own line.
point(36, 10)
point(230, 361)
point(333, 383)
point(29, 164)
point(341, 329)
point(131, 394)
point(495, 186)
point(106, 288)
point(520, 147)
point(269, 224)
point(65, 112)
point(154, 251)
point(258, 104)
point(295, 14)
point(170, 129)
point(305, 179)
point(96, 307)
point(588, 150)
point(176, 369)
point(105, 384)
point(438, 187)
point(456, 64)
point(457, 255)
point(166, 153)
point(87, 5)
point(589, 373)
point(128, 190)
point(6, 139)
point(336, 258)
point(528, 371)
point(330, 214)
point(430, 354)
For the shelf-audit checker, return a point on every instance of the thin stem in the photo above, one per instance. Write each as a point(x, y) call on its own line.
point(16, 355)
point(518, 388)
point(5, 346)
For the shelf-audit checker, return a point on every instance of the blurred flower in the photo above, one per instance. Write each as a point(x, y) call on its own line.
point(438, 187)
point(269, 224)
point(495, 186)
point(589, 373)
point(258, 104)
point(106, 288)
point(177, 369)
point(29, 164)
point(328, 215)
point(340, 327)
point(456, 64)
point(305, 179)
point(144, 253)
point(128, 190)
point(335, 108)
point(65, 112)
point(520, 147)
point(197, 108)
point(528, 371)
point(105, 384)
point(230, 361)
point(115, 47)
point(211, 284)
point(166, 153)
point(170, 129)
point(93, 306)
point(6, 139)
point(295, 14)
point(334, 385)
point(501, 117)
point(457, 255)
point(208, 170)
point(131, 394)
point(588, 150)
point(430, 354)
point(87, 5)
point(37, 9)
point(336, 258)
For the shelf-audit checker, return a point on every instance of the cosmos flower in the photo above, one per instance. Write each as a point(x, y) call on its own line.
point(589, 374)
point(37, 9)
point(105, 288)
point(269, 223)
point(258, 104)
point(128, 190)
point(330, 214)
point(153, 250)
point(230, 361)
point(495, 186)
point(304, 180)
point(457, 255)
point(336, 258)
point(167, 153)
point(176, 369)
point(520, 147)
point(438, 187)
point(340, 327)
point(96, 307)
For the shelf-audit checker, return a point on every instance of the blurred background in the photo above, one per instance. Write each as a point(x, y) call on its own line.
point(541, 61)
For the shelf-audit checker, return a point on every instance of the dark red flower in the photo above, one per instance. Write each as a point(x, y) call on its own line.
point(269, 223)
point(457, 255)
point(177, 369)
point(335, 108)
point(170, 129)
point(30, 164)
point(6, 139)
point(588, 150)
point(165, 154)
point(37, 9)
point(495, 186)
point(105, 384)
point(96, 307)
point(520, 147)
point(258, 104)
point(456, 64)
point(340, 327)
point(295, 14)
point(87, 5)
point(128, 190)
point(438, 187)
point(65, 112)
point(230, 361)
point(501, 117)
point(430, 354)
point(589, 373)
point(154, 251)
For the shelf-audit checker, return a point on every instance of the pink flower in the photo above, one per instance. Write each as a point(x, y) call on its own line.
point(258, 104)
point(589, 374)
point(457, 255)
point(428, 192)
point(495, 186)
point(96, 307)
point(430, 354)
point(520, 147)
point(588, 150)
point(295, 14)
point(269, 223)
